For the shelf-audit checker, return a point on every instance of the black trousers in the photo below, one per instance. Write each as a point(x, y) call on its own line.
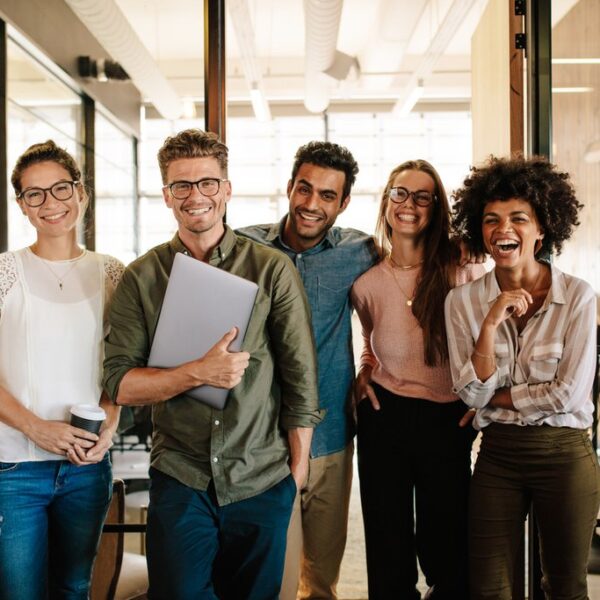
point(414, 461)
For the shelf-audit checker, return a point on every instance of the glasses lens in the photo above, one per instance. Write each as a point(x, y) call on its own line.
point(423, 198)
point(62, 190)
point(398, 194)
point(181, 189)
point(208, 187)
point(34, 196)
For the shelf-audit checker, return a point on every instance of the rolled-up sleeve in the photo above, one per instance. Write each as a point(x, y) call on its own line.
point(466, 384)
point(126, 345)
point(294, 350)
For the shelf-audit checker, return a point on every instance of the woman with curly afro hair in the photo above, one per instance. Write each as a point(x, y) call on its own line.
point(522, 353)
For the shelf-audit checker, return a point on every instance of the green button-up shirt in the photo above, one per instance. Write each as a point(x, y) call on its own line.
point(242, 448)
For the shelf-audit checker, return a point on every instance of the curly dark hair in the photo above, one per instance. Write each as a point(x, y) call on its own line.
point(329, 156)
point(535, 180)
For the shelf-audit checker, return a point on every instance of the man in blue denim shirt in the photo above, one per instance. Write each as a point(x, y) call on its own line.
point(329, 259)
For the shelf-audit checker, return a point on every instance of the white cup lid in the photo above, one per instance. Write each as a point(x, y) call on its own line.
point(88, 411)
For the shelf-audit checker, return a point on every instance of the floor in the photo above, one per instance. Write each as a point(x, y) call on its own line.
point(353, 577)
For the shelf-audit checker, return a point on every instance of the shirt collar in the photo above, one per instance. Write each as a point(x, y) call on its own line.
point(556, 294)
point(275, 234)
point(220, 252)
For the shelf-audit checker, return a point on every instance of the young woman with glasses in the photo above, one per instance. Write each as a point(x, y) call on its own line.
point(55, 479)
point(413, 457)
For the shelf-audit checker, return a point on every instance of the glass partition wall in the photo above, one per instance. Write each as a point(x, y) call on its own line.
point(39, 107)
point(42, 105)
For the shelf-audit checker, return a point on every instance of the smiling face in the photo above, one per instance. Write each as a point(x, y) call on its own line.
point(316, 200)
point(54, 218)
point(409, 219)
point(198, 214)
point(510, 232)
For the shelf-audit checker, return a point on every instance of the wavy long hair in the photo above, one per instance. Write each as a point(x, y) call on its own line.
point(438, 273)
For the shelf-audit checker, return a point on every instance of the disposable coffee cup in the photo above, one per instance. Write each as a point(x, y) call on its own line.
point(88, 417)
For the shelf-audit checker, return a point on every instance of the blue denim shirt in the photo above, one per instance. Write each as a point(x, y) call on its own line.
point(328, 271)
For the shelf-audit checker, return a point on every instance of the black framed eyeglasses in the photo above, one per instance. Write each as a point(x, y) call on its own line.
point(399, 195)
point(207, 186)
point(61, 190)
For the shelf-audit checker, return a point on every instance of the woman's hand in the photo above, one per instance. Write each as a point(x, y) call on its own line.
point(513, 302)
point(363, 388)
point(467, 417)
point(58, 437)
point(79, 456)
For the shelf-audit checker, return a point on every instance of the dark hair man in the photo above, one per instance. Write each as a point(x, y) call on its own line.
point(328, 259)
point(221, 489)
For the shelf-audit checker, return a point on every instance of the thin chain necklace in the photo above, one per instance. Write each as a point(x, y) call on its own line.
point(60, 280)
point(408, 299)
point(405, 267)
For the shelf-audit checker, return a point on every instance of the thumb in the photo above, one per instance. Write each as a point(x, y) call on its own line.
point(228, 337)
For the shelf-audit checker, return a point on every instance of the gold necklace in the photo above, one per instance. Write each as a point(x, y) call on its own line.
point(60, 280)
point(403, 267)
point(408, 299)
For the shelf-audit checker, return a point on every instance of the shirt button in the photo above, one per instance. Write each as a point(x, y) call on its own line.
point(299, 256)
point(215, 459)
point(217, 422)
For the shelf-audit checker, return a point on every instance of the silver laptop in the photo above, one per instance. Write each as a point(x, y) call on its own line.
point(201, 304)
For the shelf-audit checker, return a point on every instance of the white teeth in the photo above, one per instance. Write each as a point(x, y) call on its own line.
point(506, 245)
point(54, 217)
point(198, 211)
point(407, 218)
point(309, 217)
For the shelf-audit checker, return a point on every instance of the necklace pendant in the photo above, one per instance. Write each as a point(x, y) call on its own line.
point(409, 303)
point(60, 285)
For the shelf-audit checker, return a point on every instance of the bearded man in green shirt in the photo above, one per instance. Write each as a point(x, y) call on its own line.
point(222, 481)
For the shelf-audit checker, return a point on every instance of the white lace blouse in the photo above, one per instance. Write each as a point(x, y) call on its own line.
point(52, 326)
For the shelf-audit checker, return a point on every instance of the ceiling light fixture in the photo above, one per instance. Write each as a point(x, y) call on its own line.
point(244, 33)
point(576, 61)
point(572, 90)
point(259, 104)
point(404, 109)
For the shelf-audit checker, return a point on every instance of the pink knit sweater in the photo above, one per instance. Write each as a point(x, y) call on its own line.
point(393, 339)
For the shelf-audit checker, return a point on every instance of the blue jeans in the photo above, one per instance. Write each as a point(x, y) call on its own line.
point(51, 516)
point(198, 550)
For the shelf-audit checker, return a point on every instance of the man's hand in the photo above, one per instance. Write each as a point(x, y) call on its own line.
point(58, 437)
point(221, 368)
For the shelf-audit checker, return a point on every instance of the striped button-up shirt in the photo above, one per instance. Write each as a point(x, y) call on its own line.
point(548, 366)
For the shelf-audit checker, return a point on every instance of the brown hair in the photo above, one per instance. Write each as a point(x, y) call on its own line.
point(191, 143)
point(440, 259)
point(48, 151)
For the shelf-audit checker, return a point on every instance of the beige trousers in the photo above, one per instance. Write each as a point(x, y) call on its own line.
point(317, 533)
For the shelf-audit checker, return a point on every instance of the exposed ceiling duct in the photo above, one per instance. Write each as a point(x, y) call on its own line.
point(109, 26)
point(322, 23)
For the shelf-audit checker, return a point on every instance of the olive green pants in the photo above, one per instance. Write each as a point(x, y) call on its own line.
point(556, 470)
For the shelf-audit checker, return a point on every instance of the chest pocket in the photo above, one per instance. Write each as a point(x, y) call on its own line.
point(544, 361)
point(332, 295)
